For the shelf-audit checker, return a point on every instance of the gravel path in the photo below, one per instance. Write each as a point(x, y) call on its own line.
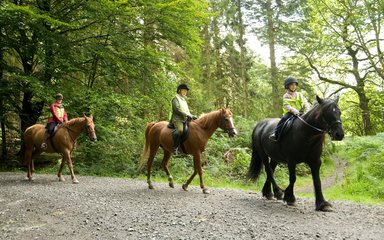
point(113, 208)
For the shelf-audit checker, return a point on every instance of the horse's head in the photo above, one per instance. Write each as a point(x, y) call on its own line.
point(329, 116)
point(90, 128)
point(226, 122)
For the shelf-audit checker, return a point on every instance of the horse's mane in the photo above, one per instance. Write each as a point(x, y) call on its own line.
point(73, 121)
point(315, 110)
point(314, 114)
point(205, 119)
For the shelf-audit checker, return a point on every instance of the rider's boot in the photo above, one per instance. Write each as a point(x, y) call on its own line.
point(44, 144)
point(176, 143)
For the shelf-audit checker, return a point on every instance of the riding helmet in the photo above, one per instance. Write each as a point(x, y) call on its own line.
point(290, 80)
point(182, 86)
point(59, 96)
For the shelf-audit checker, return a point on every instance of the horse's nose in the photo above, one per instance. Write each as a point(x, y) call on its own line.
point(339, 135)
point(233, 132)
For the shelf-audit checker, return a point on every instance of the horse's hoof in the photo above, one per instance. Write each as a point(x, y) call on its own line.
point(268, 196)
point(206, 191)
point(75, 181)
point(279, 195)
point(171, 185)
point(325, 207)
point(185, 187)
point(61, 179)
point(291, 203)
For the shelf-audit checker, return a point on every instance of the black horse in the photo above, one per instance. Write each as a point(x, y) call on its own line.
point(302, 143)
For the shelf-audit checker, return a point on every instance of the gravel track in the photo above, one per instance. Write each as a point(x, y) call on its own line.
point(114, 208)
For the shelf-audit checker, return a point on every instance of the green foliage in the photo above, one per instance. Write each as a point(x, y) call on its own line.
point(351, 113)
point(364, 178)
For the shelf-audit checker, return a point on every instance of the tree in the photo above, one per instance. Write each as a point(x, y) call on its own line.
point(105, 56)
point(269, 17)
point(335, 50)
point(225, 61)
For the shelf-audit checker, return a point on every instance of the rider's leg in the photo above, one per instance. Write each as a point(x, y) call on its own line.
point(275, 134)
point(48, 132)
point(176, 136)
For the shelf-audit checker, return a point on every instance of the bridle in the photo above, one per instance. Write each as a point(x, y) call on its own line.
point(86, 129)
point(327, 130)
point(229, 129)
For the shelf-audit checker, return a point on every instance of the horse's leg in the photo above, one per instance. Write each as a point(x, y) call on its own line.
point(267, 191)
point(289, 196)
point(199, 169)
point(186, 184)
point(164, 164)
point(28, 161)
point(321, 204)
point(59, 174)
point(278, 192)
point(28, 158)
point(74, 179)
point(151, 157)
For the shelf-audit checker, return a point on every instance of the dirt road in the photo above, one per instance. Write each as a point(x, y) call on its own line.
point(112, 208)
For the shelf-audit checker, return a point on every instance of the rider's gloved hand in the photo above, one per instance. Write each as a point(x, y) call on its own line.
point(296, 113)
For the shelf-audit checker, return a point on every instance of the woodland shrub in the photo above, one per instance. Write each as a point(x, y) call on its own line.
point(364, 175)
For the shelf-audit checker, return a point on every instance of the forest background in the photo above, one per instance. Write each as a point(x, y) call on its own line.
point(122, 61)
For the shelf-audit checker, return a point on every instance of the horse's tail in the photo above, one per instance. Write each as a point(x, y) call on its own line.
point(146, 146)
point(256, 161)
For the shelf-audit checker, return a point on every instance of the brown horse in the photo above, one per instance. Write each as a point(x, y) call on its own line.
point(62, 142)
point(200, 130)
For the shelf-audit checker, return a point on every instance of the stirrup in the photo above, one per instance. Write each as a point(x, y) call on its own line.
point(44, 146)
point(175, 151)
point(273, 138)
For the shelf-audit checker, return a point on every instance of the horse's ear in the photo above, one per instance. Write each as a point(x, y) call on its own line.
point(337, 100)
point(84, 115)
point(319, 100)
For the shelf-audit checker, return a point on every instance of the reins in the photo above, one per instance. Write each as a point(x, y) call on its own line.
point(70, 135)
point(309, 125)
point(69, 130)
point(319, 129)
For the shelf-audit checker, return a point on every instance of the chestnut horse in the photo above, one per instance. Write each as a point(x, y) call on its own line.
point(200, 130)
point(63, 142)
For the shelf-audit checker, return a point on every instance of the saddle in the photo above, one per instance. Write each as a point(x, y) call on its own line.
point(51, 135)
point(287, 126)
point(183, 136)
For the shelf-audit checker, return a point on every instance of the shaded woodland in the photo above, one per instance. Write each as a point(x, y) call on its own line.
point(122, 60)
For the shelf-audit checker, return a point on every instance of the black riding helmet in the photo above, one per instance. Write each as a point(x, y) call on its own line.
point(290, 80)
point(182, 86)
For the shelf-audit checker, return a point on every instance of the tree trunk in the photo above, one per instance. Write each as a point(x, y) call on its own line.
point(365, 113)
point(276, 101)
point(4, 154)
point(243, 72)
